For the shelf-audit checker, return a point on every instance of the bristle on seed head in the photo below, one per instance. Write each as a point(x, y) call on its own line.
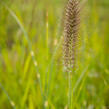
point(71, 28)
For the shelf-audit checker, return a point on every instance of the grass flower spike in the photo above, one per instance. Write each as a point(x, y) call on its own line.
point(71, 27)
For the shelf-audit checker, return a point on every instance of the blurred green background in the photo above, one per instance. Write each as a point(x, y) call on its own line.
point(31, 67)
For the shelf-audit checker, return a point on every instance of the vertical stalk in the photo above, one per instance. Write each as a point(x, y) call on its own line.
point(70, 90)
point(47, 33)
point(47, 48)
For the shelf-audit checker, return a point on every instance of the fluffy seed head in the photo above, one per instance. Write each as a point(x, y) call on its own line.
point(71, 28)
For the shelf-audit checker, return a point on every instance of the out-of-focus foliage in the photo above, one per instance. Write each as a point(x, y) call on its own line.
point(23, 84)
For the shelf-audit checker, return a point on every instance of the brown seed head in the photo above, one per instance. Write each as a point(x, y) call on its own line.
point(71, 28)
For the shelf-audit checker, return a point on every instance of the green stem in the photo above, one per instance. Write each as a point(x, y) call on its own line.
point(70, 90)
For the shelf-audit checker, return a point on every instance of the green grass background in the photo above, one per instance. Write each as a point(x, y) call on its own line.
point(31, 66)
